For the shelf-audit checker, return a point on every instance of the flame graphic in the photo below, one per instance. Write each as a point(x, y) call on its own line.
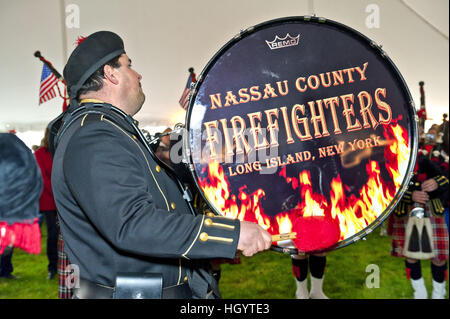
point(352, 213)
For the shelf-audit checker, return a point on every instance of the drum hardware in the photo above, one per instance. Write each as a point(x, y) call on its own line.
point(199, 80)
point(149, 139)
point(379, 47)
point(178, 126)
point(187, 150)
point(250, 29)
point(187, 195)
point(157, 136)
point(147, 135)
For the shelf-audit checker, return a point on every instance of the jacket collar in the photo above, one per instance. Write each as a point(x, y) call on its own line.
point(124, 122)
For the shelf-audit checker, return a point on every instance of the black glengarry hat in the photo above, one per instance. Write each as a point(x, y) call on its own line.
point(93, 52)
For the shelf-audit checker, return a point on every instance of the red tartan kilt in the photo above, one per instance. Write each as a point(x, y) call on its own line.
point(440, 236)
point(63, 291)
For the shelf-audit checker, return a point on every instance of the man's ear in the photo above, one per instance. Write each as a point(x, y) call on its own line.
point(111, 74)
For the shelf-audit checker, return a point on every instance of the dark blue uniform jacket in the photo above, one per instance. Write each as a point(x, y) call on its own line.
point(120, 211)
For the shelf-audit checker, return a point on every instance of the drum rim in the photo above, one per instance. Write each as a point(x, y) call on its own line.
point(414, 141)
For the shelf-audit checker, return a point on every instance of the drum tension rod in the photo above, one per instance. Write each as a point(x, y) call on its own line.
point(187, 195)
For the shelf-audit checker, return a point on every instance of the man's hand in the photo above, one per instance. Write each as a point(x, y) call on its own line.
point(253, 238)
point(429, 185)
point(420, 197)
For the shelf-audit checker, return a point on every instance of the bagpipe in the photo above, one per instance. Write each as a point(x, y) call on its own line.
point(422, 113)
point(302, 125)
point(419, 243)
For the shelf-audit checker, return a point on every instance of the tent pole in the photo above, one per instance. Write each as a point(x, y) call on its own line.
point(63, 29)
point(311, 7)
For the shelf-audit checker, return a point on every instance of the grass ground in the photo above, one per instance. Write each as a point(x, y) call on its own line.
point(269, 274)
point(266, 275)
point(32, 270)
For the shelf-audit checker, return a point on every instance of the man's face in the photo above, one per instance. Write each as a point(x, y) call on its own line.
point(130, 86)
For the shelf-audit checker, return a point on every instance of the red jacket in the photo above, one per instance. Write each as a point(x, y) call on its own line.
point(44, 160)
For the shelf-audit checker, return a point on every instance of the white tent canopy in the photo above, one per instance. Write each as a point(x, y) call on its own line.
point(165, 38)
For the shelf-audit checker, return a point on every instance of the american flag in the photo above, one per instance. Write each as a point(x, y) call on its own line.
point(184, 100)
point(48, 82)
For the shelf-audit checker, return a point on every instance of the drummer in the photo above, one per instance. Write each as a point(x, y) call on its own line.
point(118, 208)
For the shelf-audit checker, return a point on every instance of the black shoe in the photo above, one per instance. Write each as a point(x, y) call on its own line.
point(51, 275)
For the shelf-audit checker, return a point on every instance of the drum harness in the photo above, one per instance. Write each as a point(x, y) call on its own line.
point(128, 285)
point(85, 109)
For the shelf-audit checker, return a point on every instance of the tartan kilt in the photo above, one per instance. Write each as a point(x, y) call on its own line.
point(63, 291)
point(440, 236)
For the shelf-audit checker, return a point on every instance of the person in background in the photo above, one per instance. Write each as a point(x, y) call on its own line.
point(317, 264)
point(34, 147)
point(64, 291)
point(47, 205)
point(426, 189)
point(162, 151)
point(20, 187)
point(441, 156)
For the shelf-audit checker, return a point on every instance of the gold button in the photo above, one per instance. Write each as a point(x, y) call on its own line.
point(208, 222)
point(158, 169)
point(210, 213)
point(172, 205)
point(134, 136)
point(186, 279)
point(203, 236)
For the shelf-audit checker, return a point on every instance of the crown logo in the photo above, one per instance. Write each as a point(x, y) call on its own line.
point(287, 41)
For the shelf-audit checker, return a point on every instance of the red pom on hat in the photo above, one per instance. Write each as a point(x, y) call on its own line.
point(80, 39)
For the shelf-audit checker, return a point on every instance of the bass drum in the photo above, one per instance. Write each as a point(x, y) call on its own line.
point(302, 124)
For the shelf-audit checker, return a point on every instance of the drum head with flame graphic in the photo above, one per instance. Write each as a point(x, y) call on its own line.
point(302, 124)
